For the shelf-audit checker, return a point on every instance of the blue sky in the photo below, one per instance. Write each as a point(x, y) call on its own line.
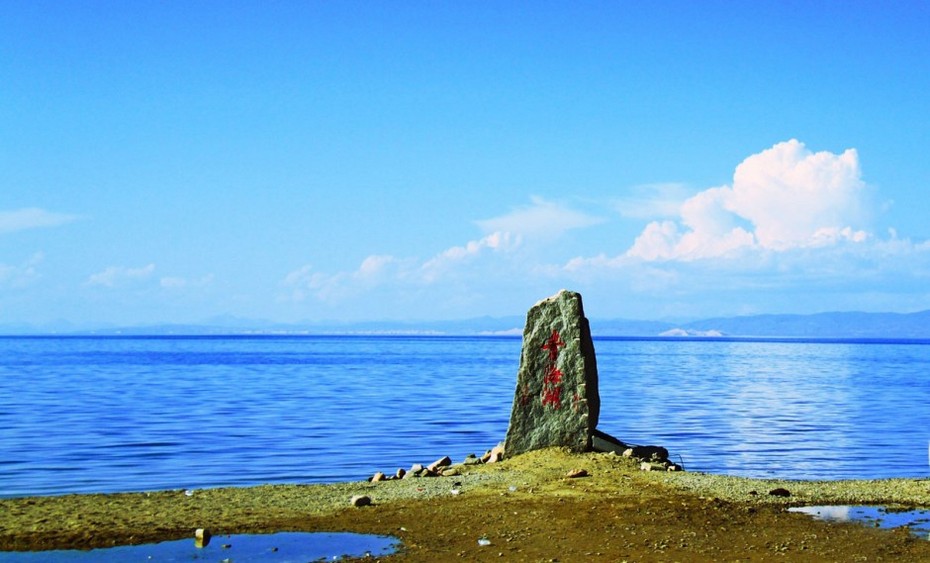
point(291, 161)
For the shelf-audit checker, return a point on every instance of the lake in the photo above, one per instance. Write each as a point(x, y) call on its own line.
point(107, 414)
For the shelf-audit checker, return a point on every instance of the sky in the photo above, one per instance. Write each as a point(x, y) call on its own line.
point(300, 161)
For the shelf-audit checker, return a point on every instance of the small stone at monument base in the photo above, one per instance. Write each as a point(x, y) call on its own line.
point(472, 459)
point(415, 470)
point(360, 500)
point(400, 473)
point(378, 477)
point(497, 454)
point(452, 470)
point(441, 462)
point(647, 453)
point(576, 473)
point(650, 466)
point(427, 472)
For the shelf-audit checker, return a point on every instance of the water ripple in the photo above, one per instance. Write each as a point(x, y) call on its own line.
point(115, 414)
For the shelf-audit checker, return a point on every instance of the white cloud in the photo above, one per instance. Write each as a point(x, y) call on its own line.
point(21, 275)
point(31, 218)
point(541, 220)
point(649, 201)
point(386, 270)
point(114, 276)
point(796, 220)
point(301, 282)
point(174, 282)
point(304, 282)
point(789, 193)
point(435, 267)
point(374, 266)
point(782, 198)
point(478, 259)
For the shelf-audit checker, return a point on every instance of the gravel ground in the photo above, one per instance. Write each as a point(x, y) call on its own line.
point(523, 509)
point(904, 492)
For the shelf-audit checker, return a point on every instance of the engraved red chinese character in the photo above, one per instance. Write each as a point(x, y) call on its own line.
point(553, 344)
point(552, 389)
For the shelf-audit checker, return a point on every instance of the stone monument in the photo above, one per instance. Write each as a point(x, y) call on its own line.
point(556, 402)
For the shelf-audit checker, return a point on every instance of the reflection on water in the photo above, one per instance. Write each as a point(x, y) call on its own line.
point(918, 520)
point(795, 410)
point(290, 547)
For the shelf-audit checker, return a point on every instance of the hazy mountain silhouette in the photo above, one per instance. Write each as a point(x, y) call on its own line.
point(820, 325)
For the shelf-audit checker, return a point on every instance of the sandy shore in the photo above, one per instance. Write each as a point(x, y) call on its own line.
point(525, 507)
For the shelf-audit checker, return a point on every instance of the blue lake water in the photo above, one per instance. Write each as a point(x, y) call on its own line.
point(105, 414)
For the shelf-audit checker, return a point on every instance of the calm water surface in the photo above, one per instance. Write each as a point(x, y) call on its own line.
point(117, 414)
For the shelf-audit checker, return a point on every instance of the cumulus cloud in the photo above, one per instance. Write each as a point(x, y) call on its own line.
point(542, 219)
point(31, 218)
point(114, 276)
point(783, 198)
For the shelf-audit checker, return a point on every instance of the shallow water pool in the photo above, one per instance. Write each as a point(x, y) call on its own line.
point(285, 547)
point(878, 516)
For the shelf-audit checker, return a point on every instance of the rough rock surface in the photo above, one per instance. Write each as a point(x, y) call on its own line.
point(556, 402)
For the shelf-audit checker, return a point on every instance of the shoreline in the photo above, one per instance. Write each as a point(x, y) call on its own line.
point(526, 506)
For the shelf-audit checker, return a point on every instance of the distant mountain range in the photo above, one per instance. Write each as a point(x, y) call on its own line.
point(821, 325)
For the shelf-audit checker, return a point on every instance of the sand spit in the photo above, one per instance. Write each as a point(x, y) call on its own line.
point(523, 509)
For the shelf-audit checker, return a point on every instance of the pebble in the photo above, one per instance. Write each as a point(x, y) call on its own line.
point(361, 500)
point(441, 462)
point(472, 459)
point(201, 537)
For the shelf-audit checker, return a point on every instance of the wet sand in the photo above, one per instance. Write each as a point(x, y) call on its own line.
point(526, 508)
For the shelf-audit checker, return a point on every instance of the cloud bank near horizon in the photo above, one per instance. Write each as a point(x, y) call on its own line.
point(793, 231)
point(791, 217)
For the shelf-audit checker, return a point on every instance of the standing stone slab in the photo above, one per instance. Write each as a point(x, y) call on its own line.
point(556, 402)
